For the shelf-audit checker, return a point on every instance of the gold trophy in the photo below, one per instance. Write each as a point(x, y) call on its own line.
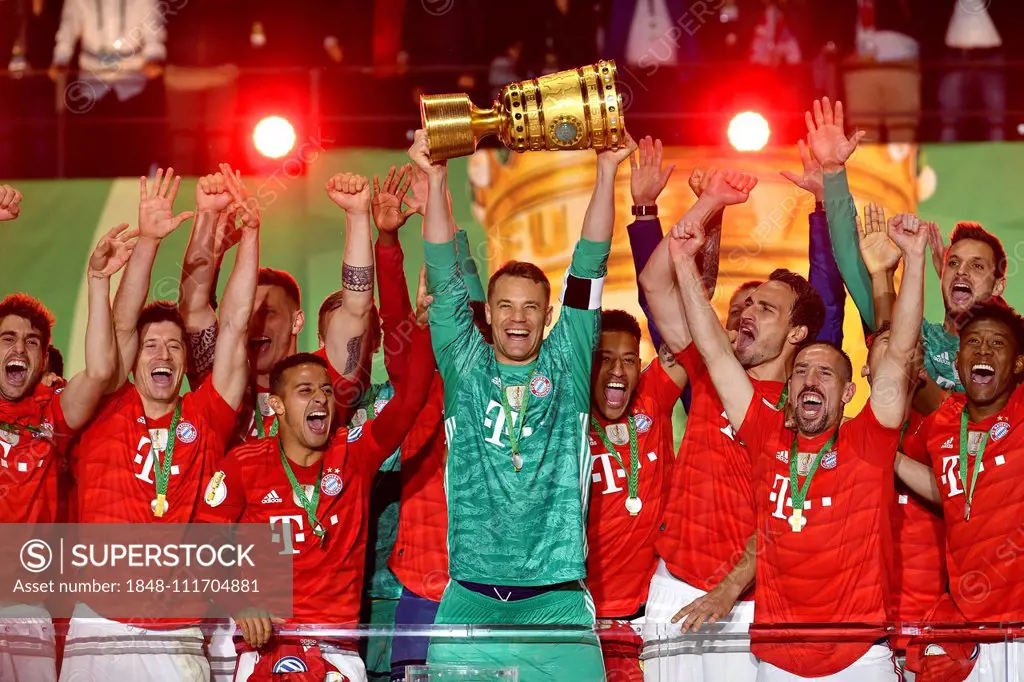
point(575, 109)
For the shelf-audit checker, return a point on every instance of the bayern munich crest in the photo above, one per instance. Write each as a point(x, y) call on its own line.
point(290, 664)
point(829, 461)
point(998, 431)
point(540, 386)
point(379, 404)
point(331, 484)
point(186, 432)
point(643, 422)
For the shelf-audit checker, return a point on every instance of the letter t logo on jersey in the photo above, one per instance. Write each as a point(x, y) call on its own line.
point(290, 533)
point(498, 423)
point(951, 477)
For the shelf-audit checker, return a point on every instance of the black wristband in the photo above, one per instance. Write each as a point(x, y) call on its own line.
point(645, 210)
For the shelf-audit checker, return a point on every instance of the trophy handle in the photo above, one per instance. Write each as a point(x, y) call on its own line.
point(454, 126)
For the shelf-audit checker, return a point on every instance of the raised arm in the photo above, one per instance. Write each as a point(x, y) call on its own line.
point(730, 380)
point(197, 289)
point(347, 331)
point(599, 220)
point(156, 221)
point(395, 305)
point(823, 273)
point(82, 395)
point(438, 224)
point(880, 256)
point(890, 388)
point(468, 268)
point(831, 149)
point(230, 360)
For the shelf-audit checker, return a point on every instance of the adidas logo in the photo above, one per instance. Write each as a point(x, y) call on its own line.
point(271, 498)
point(948, 445)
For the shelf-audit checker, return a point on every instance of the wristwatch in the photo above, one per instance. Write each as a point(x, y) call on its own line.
point(645, 210)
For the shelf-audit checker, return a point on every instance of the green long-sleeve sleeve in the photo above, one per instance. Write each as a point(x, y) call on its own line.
point(842, 229)
point(467, 264)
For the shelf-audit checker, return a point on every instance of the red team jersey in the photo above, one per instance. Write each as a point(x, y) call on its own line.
point(33, 437)
point(834, 570)
point(982, 553)
point(918, 577)
point(115, 457)
point(709, 516)
point(420, 556)
point(621, 558)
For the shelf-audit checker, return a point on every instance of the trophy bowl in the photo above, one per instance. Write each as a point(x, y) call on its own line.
point(575, 109)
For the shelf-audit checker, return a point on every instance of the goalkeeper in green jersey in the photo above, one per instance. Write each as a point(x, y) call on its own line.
point(516, 420)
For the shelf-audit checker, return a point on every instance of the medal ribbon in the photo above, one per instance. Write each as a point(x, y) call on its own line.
point(163, 471)
point(633, 472)
point(515, 431)
point(15, 428)
point(309, 504)
point(797, 493)
point(969, 491)
point(783, 397)
point(371, 406)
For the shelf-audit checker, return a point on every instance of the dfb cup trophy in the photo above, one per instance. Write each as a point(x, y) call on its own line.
point(574, 109)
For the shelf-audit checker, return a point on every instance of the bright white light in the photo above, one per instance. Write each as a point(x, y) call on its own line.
point(274, 137)
point(749, 132)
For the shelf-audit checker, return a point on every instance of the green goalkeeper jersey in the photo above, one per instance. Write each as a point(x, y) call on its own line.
point(505, 527)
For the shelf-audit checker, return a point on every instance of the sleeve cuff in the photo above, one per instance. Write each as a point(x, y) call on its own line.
point(590, 259)
point(837, 185)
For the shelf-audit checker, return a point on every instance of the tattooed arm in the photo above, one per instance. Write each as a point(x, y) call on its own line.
point(347, 347)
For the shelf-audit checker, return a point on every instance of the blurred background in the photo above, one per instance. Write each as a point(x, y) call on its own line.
point(102, 88)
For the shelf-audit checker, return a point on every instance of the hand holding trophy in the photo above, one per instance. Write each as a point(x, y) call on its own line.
point(574, 109)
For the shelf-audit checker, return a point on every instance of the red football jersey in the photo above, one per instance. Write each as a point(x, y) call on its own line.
point(115, 458)
point(420, 556)
point(834, 570)
point(918, 577)
point(621, 558)
point(327, 580)
point(982, 553)
point(33, 436)
point(709, 516)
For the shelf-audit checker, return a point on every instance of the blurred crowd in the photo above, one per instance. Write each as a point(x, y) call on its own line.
point(196, 65)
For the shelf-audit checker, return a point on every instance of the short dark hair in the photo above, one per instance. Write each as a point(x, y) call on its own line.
point(480, 320)
point(55, 361)
point(278, 371)
point(752, 284)
point(279, 278)
point(335, 301)
point(847, 364)
point(970, 230)
point(808, 309)
point(160, 311)
point(1002, 313)
point(518, 268)
point(620, 321)
point(873, 336)
point(33, 310)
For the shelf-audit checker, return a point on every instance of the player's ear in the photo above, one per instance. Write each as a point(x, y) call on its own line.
point(1018, 365)
point(299, 323)
point(797, 335)
point(276, 404)
point(999, 286)
point(848, 392)
point(547, 318)
point(864, 371)
point(487, 312)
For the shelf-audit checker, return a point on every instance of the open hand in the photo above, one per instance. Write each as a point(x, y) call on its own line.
point(708, 609)
point(730, 187)
point(937, 244)
point(156, 216)
point(879, 253)
point(812, 179)
point(423, 299)
point(687, 239)
point(910, 233)
point(10, 203)
point(250, 214)
point(388, 215)
point(113, 251)
point(647, 178)
point(350, 192)
point(826, 137)
point(416, 199)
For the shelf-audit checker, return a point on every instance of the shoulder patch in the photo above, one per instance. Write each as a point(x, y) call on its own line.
point(999, 431)
point(187, 432)
point(540, 386)
point(643, 422)
point(829, 461)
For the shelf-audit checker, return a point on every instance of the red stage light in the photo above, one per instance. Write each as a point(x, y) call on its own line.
point(749, 131)
point(273, 137)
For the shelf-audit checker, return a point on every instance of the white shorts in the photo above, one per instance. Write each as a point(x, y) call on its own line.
point(348, 662)
point(669, 656)
point(220, 651)
point(877, 665)
point(101, 650)
point(999, 663)
point(27, 650)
